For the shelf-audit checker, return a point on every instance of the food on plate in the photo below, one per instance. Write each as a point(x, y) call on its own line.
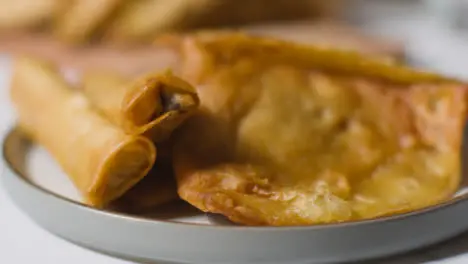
point(153, 105)
point(260, 130)
point(102, 161)
point(289, 134)
point(80, 21)
point(157, 188)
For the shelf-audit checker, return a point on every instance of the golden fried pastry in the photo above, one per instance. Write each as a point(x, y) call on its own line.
point(82, 18)
point(289, 134)
point(102, 161)
point(153, 105)
point(157, 188)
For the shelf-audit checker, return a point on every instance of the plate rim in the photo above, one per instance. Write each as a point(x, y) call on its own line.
point(16, 131)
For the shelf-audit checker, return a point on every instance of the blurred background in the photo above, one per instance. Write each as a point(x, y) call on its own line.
point(119, 33)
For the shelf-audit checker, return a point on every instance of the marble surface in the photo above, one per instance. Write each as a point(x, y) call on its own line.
point(430, 44)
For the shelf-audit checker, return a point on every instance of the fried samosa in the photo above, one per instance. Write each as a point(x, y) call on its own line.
point(102, 161)
point(289, 134)
point(153, 105)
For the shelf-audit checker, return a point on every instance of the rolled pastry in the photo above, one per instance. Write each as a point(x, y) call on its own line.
point(152, 105)
point(157, 188)
point(102, 161)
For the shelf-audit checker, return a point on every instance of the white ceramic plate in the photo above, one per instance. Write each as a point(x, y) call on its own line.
point(179, 234)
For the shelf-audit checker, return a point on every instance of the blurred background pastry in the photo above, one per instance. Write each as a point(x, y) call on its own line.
point(138, 21)
point(117, 34)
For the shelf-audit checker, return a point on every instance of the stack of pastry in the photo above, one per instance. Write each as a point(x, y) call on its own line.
point(138, 21)
point(105, 135)
point(262, 131)
point(96, 29)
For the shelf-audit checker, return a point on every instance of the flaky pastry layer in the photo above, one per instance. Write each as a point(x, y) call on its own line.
point(102, 161)
point(153, 104)
point(289, 134)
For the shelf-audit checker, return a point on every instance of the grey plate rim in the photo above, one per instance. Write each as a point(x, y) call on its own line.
point(132, 237)
point(396, 217)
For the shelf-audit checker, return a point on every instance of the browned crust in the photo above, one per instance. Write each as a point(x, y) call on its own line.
point(163, 121)
point(208, 47)
point(152, 104)
point(429, 107)
point(101, 160)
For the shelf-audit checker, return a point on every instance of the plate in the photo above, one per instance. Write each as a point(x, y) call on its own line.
point(177, 233)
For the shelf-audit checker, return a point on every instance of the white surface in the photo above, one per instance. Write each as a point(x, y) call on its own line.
point(21, 241)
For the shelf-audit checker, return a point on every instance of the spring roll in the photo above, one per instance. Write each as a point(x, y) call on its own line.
point(152, 105)
point(157, 188)
point(102, 161)
point(83, 18)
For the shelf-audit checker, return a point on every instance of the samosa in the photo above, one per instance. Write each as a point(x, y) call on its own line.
point(291, 134)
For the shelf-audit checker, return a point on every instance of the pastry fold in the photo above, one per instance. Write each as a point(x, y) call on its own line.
point(152, 105)
point(290, 134)
point(102, 161)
